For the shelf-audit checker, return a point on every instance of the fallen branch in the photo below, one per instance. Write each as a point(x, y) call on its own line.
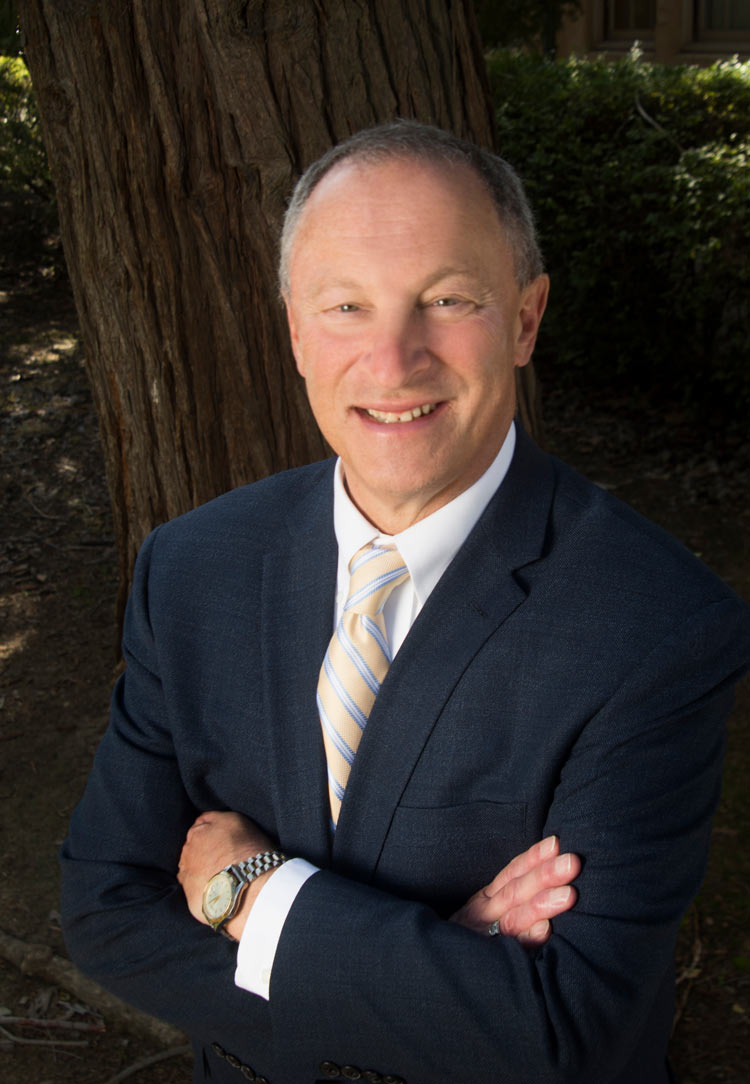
point(42, 962)
point(56, 1022)
point(40, 513)
point(41, 1042)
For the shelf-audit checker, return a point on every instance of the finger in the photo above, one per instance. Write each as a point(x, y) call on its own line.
point(552, 873)
point(524, 863)
point(539, 934)
point(540, 894)
point(546, 905)
point(481, 910)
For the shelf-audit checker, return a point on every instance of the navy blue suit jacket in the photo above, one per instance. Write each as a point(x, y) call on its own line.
point(571, 673)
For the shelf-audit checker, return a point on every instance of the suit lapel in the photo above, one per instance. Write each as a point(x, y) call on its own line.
point(299, 583)
point(476, 595)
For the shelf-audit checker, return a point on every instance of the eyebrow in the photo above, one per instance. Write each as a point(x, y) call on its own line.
point(437, 276)
point(335, 284)
point(448, 272)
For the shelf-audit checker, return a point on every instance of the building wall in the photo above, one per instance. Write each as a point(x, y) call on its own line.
point(678, 35)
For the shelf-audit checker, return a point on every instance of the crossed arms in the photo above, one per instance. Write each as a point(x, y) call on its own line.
point(525, 895)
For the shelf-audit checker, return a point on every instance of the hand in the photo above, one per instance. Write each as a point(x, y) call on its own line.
point(525, 895)
point(215, 841)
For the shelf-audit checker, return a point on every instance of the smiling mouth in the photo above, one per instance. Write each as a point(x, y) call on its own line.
point(389, 417)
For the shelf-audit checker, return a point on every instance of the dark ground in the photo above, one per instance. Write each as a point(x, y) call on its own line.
point(57, 587)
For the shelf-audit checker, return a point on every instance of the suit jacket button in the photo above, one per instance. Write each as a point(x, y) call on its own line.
point(351, 1072)
point(393, 1080)
point(371, 1076)
point(233, 1061)
point(218, 1049)
point(260, 1080)
point(330, 1068)
point(247, 1072)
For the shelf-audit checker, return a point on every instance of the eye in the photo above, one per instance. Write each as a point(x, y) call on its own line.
point(450, 304)
point(347, 307)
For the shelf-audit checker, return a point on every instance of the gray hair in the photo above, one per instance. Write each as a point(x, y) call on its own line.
point(409, 139)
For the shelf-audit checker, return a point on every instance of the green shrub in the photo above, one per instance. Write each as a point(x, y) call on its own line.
point(640, 177)
point(23, 161)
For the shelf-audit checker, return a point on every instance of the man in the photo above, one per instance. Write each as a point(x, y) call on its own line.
point(560, 671)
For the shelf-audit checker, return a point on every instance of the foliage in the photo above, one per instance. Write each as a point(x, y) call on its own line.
point(9, 32)
point(530, 23)
point(23, 161)
point(640, 176)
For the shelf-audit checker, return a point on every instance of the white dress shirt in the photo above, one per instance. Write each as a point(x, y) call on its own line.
point(427, 547)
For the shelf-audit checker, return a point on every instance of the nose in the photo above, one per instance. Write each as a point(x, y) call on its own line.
point(398, 351)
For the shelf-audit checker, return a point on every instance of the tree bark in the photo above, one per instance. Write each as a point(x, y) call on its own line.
point(175, 133)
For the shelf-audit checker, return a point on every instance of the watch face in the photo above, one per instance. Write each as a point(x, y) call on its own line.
point(217, 897)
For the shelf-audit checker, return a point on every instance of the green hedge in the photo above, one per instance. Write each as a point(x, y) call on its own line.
point(28, 207)
point(23, 161)
point(640, 177)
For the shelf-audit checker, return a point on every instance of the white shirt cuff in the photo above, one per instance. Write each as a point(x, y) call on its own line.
point(257, 947)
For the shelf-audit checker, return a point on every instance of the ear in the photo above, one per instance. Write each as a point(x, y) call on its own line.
point(530, 313)
point(293, 333)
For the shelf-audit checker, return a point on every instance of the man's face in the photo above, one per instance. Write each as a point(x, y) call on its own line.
point(403, 304)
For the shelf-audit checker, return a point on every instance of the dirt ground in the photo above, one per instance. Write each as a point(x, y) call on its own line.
point(57, 587)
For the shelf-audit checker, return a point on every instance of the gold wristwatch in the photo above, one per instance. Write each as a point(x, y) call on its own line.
point(224, 891)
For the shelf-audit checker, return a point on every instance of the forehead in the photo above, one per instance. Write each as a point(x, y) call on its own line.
point(398, 205)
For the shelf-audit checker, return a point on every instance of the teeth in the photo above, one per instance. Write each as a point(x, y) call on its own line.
point(406, 416)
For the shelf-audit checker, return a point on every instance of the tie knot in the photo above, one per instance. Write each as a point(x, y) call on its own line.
point(374, 571)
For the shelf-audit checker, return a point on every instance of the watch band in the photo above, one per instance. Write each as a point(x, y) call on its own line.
point(251, 868)
point(246, 872)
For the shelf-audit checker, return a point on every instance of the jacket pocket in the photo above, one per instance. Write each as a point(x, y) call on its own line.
point(442, 855)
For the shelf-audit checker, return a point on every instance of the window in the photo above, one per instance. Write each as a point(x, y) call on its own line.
point(630, 19)
point(723, 19)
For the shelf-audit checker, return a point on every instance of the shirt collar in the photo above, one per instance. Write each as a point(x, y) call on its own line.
point(429, 546)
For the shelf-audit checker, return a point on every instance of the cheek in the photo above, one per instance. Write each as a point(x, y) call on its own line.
point(469, 346)
point(324, 392)
point(325, 362)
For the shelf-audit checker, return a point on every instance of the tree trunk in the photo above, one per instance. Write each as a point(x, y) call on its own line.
point(175, 133)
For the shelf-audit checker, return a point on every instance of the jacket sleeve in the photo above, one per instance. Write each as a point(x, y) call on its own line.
point(125, 920)
point(367, 979)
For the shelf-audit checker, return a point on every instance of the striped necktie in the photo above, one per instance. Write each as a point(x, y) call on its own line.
point(356, 662)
